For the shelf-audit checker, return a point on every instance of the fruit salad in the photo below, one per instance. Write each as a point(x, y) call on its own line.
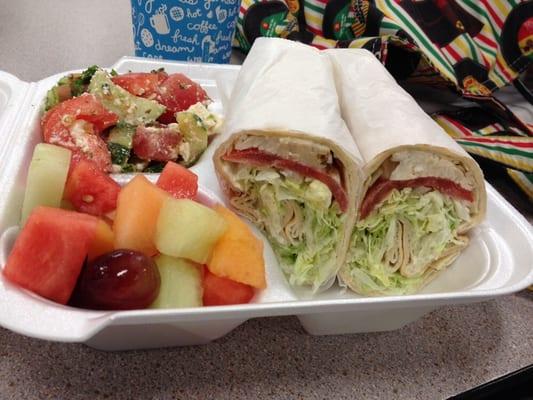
point(87, 242)
point(133, 122)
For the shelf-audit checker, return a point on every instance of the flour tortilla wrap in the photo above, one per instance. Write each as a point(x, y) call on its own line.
point(285, 105)
point(401, 239)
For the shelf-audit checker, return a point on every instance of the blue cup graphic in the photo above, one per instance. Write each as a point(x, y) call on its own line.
point(188, 30)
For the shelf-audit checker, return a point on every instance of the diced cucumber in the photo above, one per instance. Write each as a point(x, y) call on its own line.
point(69, 86)
point(129, 108)
point(52, 99)
point(181, 283)
point(60, 92)
point(119, 153)
point(128, 168)
point(122, 134)
point(188, 229)
point(119, 143)
point(81, 81)
point(194, 137)
point(154, 167)
point(46, 179)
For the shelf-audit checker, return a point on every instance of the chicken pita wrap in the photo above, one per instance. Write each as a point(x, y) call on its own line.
point(422, 191)
point(288, 162)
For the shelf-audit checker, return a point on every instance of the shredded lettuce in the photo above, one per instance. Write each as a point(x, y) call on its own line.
point(301, 220)
point(429, 221)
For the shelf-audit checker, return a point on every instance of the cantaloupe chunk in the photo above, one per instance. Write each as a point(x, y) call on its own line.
point(138, 206)
point(102, 242)
point(238, 254)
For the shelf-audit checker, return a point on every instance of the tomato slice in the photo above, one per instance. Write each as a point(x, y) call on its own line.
point(178, 93)
point(260, 158)
point(222, 291)
point(76, 124)
point(143, 84)
point(178, 181)
point(90, 190)
point(382, 187)
point(157, 143)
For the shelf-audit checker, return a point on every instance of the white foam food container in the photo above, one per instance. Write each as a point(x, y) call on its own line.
point(497, 262)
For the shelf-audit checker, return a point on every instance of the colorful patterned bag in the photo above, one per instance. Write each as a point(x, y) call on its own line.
point(471, 46)
point(483, 135)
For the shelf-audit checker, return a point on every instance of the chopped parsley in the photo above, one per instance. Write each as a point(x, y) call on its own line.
point(79, 84)
point(154, 167)
point(119, 154)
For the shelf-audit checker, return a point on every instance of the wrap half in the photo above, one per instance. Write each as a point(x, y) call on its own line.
point(422, 191)
point(288, 162)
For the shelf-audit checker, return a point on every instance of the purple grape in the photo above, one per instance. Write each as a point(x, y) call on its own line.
point(119, 280)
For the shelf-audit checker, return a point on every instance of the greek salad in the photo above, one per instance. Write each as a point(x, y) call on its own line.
point(133, 122)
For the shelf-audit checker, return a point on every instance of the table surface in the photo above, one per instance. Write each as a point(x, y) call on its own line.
point(446, 352)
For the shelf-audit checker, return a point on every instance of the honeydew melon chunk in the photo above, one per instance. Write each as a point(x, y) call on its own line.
point(188, 229)
point(181, 283)
point(46, 179)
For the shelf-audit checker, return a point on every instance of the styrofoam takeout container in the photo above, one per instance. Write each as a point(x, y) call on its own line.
point(498, 260)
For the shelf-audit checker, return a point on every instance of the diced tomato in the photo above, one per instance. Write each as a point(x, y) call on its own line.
point(49, 252)
point(97, 153)
point(158, 143)
point(175, 91)
point(76, 124)
point(85, 107)
point(222, 291)
point(178, 93)
point(90, 190)
point(142, 84)
point(178, 181)
point(382, 187)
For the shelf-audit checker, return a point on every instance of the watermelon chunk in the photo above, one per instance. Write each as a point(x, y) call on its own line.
point(220, 291)
point(178, 181)
point(49, 252)
point(90, 190)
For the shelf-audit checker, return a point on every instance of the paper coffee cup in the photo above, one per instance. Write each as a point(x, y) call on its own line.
point(189, 30)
